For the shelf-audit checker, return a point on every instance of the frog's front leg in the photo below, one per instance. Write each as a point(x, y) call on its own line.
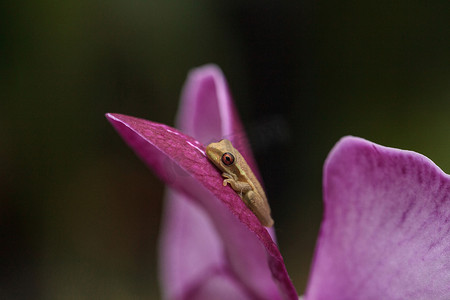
point(229, 177)
point(241, 187)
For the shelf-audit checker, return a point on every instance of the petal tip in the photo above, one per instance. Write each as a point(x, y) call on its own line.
point(112, 116)
point(344, 144)
point(208, 70)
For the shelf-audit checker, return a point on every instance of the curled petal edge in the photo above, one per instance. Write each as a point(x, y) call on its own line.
point(180, 161)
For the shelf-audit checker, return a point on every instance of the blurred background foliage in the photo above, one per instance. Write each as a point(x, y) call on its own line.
point(80, 214)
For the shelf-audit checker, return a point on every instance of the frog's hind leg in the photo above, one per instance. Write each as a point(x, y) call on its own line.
point(249, 199)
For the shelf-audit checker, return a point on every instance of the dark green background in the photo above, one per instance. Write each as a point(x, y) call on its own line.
point(80, 214)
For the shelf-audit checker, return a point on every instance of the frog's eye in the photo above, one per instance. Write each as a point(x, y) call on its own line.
point(228, 159)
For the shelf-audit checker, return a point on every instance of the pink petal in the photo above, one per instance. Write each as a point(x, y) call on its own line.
point(385, 233)
point(185, 261)
point(219, 286)
point(190, 246)
point(207, 111)
point(248, 246)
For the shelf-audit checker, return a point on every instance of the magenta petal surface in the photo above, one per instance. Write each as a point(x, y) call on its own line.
point(254, 265)
point(386, 228)
point(208, 114)
point(190, 246)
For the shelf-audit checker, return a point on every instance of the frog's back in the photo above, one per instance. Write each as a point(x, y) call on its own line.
point(250, 177)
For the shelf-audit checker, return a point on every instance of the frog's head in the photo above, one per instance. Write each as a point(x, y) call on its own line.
point(222, 154)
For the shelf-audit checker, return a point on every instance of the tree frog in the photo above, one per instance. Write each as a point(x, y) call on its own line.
point(241, 178)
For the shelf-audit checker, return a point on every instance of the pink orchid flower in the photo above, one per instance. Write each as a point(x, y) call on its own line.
point(385, 232)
